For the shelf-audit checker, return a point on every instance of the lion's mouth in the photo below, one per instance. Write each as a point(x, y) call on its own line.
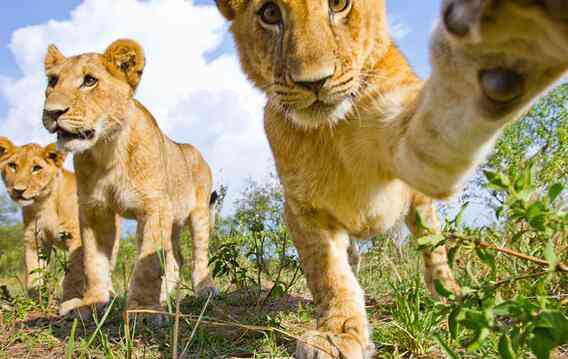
point(63, 134)
point(22, 200)
point(320, 106)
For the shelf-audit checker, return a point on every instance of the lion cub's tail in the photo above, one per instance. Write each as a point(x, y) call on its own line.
point(213, 209)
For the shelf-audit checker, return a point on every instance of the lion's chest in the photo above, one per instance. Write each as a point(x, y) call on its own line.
point(364, 206)
point(356, 192)
point(112, 189)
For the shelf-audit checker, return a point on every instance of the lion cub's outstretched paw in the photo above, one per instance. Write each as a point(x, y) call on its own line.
point(471, 18)
point(513, 49)
point(323, 345)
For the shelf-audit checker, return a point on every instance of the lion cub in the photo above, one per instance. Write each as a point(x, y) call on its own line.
point(35, 179)
point(127, 167)
point(361, 143)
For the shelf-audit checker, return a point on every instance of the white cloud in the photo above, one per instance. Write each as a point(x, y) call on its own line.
point(398, 28)
point(208, 104)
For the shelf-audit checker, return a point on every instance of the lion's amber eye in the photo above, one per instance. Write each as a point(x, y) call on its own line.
point(52, 81)
point(36, 168)
point(89, 81)
point(270, 14)
point(339, 5)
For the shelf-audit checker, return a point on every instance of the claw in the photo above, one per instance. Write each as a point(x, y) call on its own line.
point(557, 8)
point(461, 15)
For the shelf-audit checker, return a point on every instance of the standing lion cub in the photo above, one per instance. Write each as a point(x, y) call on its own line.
point(360, 142)
point(127, 167)
point(35, 179)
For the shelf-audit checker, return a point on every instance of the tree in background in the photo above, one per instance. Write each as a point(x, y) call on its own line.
point(8, 211)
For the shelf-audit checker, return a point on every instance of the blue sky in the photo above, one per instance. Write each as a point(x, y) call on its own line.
point(414, 18)
point(17, 14)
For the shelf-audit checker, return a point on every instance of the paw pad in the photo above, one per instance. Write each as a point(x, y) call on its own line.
point(501, 85)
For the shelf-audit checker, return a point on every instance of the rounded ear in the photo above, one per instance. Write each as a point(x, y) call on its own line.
point(125, 60)
point(226, 9)
point(6, 147)
point(51, 154)
point(53, 57)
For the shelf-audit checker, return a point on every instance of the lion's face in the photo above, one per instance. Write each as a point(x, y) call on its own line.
point(29, 171)
point(87, 96)
point(309, 56)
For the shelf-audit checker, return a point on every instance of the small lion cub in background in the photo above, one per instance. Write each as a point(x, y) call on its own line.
point(47, 193)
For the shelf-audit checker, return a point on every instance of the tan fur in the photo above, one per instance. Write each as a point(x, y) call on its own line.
point(48, 197)
point(379, 143)
point(127, 167)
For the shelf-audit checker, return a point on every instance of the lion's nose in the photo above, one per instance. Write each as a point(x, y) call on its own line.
point(312, 79)
point(55, 114)
point(314, 86)
point(18, 192)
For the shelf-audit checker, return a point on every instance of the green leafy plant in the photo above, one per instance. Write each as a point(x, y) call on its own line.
point(533, 219)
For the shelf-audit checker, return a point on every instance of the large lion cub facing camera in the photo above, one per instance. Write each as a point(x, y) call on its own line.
point(361, 142)
point(127, 167)
point(35, 179)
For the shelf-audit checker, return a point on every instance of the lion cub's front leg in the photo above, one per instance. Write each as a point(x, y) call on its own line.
point(99, 229)
point(435, 260)
point(74, 280)
point(490, 61)
point(34, 262)
point(342, 326)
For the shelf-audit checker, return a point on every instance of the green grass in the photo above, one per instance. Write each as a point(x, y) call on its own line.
point(241, 324)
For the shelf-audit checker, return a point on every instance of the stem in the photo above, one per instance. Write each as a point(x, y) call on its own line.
point(280, 269)
point(294, 278)
point(516, 279)
point(560, 267)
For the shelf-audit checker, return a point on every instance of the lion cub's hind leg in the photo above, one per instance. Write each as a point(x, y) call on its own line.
point(200, 227)
point(156, 273)
point(354, 255)
point(435, 261)
point(35, 263)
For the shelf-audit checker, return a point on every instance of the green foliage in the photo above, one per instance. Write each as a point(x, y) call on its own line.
point(11, 250)
point(542, 135)
point(255, 246)
point(532, 221)
point(526, 178)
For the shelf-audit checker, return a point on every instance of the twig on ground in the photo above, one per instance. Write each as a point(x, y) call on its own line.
point(194, 330)
point(176, 324)
point(222, 323)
